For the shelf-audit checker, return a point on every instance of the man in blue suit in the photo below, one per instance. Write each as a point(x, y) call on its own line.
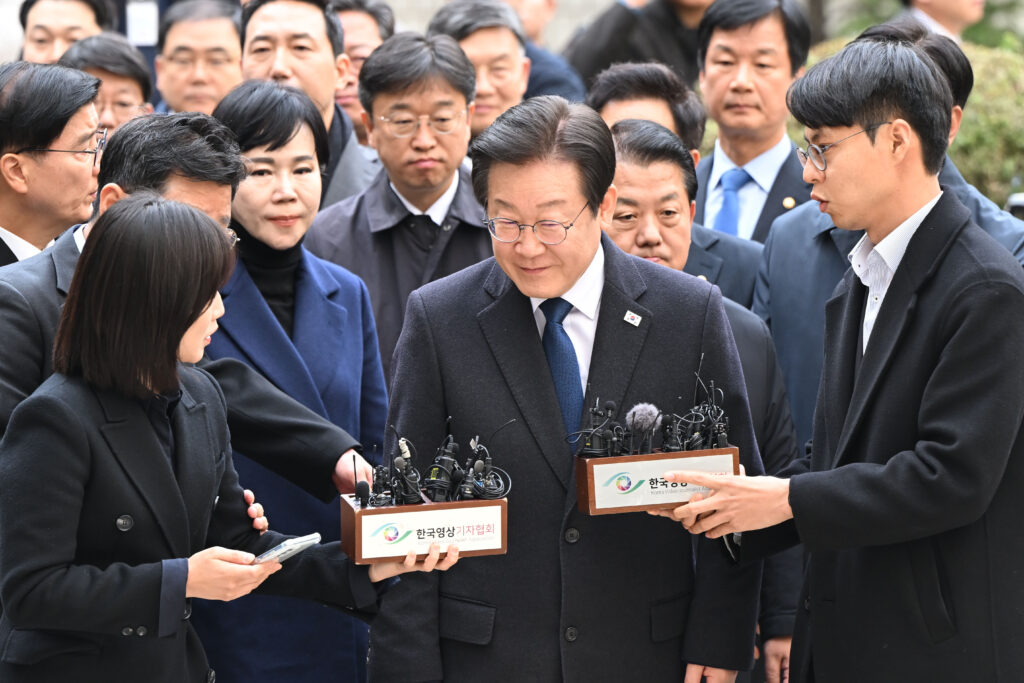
point(559, 318)
point(750, 52)
point(806, 255)
point(652, 92)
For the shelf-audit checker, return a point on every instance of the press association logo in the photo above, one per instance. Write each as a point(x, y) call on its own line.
point(390, 533)
point(622, 483)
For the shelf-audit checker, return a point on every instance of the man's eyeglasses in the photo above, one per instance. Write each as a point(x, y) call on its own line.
point(95, 152)
point(548, 232)
point(405, 125)
point(816, 153)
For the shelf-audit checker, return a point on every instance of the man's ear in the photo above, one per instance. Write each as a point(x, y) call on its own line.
point(899, 138)
point(371, 134)
point(110, 194)
point(13, 171)
point(695, 153)
point(342, 69)
point(606, 209)
point(954, 125)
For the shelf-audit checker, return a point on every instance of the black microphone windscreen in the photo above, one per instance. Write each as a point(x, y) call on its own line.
point(400, 462)
point(478, 466)
point(609, 408)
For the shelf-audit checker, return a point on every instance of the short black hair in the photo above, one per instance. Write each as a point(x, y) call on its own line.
point(104, 11)
point(460, 18)
point(38, 100)
point(267, 114)
point(379, 10)
point(198, 10)
point(946, 54)
point(111, 52)
point(870, 82)
point(728, 15)
point(547, 128)
point(332, 25)
point(408, 60)
point(652, 80)
point(642, 143)
point(146, 151)
point(148, 270)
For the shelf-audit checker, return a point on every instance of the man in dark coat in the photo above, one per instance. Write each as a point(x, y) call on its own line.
point(909, 502)
point(576, 598)
point(418, 221)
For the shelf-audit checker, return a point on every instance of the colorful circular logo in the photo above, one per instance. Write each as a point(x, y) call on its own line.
point(391, 534)
point(623, 483)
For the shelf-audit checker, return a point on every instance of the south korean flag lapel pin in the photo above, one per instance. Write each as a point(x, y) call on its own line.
point(632, 318)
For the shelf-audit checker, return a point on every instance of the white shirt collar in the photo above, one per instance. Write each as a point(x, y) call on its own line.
point(762, 168)
point(439, 209)
point(929, 23)
point(892, 247)
point(22, 249)
point(585, 294)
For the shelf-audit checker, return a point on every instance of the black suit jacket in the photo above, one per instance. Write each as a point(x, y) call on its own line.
point(266, 424)
point(725, 260)
point(577, 598)
point(910, 504)
point(90, 508)
point(788, 190)
point(7, 256)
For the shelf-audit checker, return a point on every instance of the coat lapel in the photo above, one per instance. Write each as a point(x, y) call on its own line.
point(131, 440)
point(195, 464)
point(253, 329)
point(788, 191)
point(703, 174)
point(318, 316)
point(924, 253)
point(842, 326)
point(509, 327)
point(701, 261)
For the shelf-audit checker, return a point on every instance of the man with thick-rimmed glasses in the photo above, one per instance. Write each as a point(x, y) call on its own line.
point(50, 146)
point(418, 221)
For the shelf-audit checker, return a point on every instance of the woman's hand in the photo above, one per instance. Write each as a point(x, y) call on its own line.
point(385, 570)
point(223, 574)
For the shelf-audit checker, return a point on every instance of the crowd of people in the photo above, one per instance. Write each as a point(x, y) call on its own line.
point(303, 232)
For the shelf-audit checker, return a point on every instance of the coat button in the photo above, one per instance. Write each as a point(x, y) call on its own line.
point(141, 631)
point(125, 523)
point(807, 604)
point(188, 609)
point(571, 634)
point(211, 676)
point(572, 534)
point(127, 631)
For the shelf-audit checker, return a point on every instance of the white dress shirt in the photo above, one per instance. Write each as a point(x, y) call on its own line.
point(762, 169)
point(439, 209)
point(581, 322)
point(21, 248)
point(875, 264)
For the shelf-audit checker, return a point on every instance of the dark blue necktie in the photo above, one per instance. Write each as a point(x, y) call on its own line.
point(729, 215)
point(565, 369)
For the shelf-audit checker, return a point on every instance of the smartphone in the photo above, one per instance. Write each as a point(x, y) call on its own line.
point(286, 549)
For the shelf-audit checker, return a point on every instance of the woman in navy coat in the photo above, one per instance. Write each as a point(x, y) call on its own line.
point(119, 503)
point(307, 326)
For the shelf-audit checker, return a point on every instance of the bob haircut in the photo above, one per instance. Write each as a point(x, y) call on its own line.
point(145, 152)
point(150, 267)
point(110, 52)
point(38, 100)
point(652, 81)
point(870, 82)
point(543, 128)
point(408, 61)
point(643, 143)
point(266, 114)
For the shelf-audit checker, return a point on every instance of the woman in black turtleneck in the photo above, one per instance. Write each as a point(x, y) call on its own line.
point(307, 325)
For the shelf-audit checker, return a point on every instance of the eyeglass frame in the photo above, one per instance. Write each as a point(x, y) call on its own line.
point(489, 224)
point(100, 146)
point(804, 155)
point(419, 118)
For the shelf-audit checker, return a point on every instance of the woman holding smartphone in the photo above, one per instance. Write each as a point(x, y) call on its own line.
point(119, 502)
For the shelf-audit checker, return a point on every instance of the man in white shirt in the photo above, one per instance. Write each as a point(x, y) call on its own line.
point(750, 52)
point(418, 220)
point(50, 148)
point(909, 503)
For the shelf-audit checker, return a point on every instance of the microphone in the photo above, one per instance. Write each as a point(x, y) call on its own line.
point(363, 493)
point(439, 483)
point(642, 420)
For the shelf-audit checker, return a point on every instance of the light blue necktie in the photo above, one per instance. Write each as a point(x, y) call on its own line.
point(729, 215)
point(565, 369)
